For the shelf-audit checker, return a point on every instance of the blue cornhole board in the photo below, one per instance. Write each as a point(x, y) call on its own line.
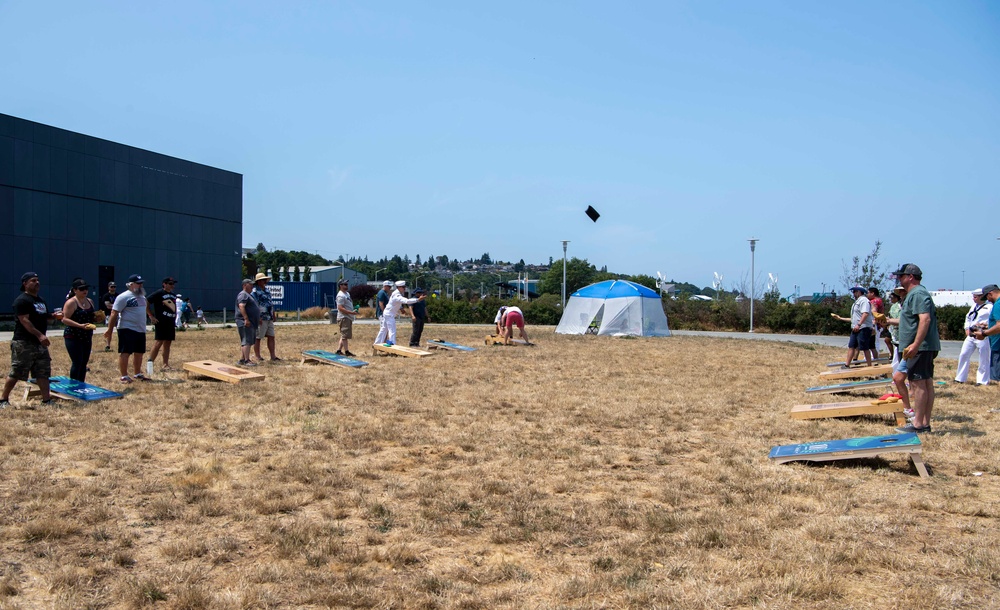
point(321, 355)
point(71, 389)
point(851, 448)
point(446, 345)
point(848, 385)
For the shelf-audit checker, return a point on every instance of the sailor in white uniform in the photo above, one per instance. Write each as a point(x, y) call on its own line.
point(978, 317)
point(387, 329)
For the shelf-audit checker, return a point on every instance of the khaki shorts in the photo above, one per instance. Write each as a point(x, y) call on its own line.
point(266, 329)
point(346, 327)
point(28, 358)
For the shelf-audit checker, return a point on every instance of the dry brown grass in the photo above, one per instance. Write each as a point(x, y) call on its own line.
point(587, 472)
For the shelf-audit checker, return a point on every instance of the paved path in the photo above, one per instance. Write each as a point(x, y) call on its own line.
point(949, 349)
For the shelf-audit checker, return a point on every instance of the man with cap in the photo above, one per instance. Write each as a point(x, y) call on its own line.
point(107, 302)
point(345, 317)
point(382, 298)
point(919, 345)
point(129, 314)
point(247, 321)
point(267, 315)
point(418, 316)
point(977, 319)
point(162, 306)
point(862, 327)
point(29, 347)
point(992, 293)
point(387, 329)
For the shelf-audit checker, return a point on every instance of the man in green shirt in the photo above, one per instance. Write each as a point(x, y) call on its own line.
point(919, 345)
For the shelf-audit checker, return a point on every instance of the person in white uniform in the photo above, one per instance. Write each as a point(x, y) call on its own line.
point(977, 319)
point(387, 328)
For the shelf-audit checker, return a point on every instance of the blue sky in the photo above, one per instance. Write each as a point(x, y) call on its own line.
point(380, 128)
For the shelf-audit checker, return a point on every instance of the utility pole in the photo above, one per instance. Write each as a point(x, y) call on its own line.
point(564, 242)
point(753, 246)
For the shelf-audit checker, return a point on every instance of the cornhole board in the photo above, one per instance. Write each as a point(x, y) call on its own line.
point(849, 409)
point(220, 371)
point(399, 350)
point(847, 386)
point(498, 340)
point(321, 356)
point(852, 448)
point(861, 362)
point(442, 344)
point(864, 371)
point(71, 389)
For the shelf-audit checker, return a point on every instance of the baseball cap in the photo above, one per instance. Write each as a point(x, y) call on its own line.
point(77, 284)
point(387, 283)
point(400, 283)
point(168, 280)
point(343, 282)
point(419, 291)
point(988, 288)
point(27, 276)
point(135, 279)
point(908, 269)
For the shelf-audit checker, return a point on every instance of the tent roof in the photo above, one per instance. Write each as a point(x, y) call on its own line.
point(611, 289)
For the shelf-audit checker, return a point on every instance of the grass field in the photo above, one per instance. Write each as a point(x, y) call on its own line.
point(586, 472)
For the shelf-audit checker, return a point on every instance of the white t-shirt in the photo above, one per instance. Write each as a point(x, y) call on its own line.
point(131, 310)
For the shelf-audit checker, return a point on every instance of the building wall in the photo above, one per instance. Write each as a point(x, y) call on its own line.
point(72, 204)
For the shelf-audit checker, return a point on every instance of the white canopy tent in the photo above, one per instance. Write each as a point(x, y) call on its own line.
point(614, 307)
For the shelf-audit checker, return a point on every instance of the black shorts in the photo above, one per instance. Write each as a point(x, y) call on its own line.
point(131, 341)
point(862, 340)
point(165, 331)
point(921, 366)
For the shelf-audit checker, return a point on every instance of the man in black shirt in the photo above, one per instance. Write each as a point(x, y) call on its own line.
point(107, 302)
point(418, 313)
point(29, 348)
point(162, 305)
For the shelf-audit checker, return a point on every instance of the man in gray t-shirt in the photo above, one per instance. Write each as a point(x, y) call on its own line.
point(345, 317)
point(129, 315)
point(247, 321)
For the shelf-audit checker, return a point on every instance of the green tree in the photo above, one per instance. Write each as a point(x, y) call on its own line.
point(579, 273)
point(867, 272)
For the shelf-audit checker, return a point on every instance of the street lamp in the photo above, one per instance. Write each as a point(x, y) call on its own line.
point(376, 273)
point(753, 246)
point(564, 242)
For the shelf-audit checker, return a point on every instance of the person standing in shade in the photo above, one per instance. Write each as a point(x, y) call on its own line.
point(387, 330)
point(992, 293)
point(78, 316)
point(128, 315)
point(920, 344)
point(162, 306)
point(418, 315)
point(247, 321)
point(267, 315)
point(862, 326)
point(382, 299)
point(345, 317)
point(29, 347)
point(107, 302)
point(977, 319)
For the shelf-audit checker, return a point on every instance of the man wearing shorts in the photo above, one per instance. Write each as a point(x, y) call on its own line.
point(345, 317)
point(919, 345)
point(263, 297)
point(992, 292)
point(129, 315)
point(513, 317)
point(29, 347)
point(247, 321)
point(162, 306)
point(862, 328)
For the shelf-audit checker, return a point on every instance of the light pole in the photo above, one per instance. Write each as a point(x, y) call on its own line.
point(753, 246)
point(564, 242)
point(963, 282)
point(376, 273)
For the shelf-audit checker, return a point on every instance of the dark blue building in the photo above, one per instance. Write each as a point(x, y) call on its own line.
point(77, 206)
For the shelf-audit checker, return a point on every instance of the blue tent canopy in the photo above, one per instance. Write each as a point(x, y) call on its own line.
point(612, 289)
point(614, 307)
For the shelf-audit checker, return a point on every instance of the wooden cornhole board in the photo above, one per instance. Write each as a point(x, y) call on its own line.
point(442, 344)
point(849, 409)
point(861, 362)
point(220, 371)
point(71, 389)
point(399, 350)
point(498, 340)
point(847, 386)
point(852, 448)
point(321, 356)
point(854, 373)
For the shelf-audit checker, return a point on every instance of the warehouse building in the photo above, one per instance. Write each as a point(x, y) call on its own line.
point(73, 205)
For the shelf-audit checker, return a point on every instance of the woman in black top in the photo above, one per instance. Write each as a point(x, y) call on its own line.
point(78, 316)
